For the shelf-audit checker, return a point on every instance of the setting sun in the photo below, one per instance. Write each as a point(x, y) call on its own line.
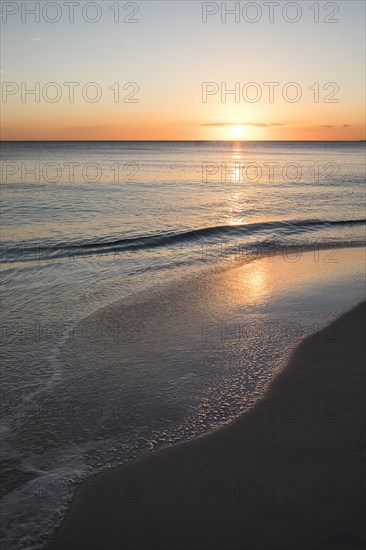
point(238, 131)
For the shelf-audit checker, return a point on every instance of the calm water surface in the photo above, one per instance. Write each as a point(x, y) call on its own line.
point(102, 341)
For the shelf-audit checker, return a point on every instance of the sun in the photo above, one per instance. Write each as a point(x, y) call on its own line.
point(237, 131)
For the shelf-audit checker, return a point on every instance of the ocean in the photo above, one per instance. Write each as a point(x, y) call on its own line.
point(114, 342)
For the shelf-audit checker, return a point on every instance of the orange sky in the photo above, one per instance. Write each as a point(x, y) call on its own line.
point(170, 55)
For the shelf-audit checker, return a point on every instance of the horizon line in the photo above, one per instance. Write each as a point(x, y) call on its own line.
point(182, 140)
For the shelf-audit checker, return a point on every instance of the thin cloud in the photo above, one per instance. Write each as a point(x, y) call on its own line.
point(335, 126)
point(36, 39)
point(255, 124)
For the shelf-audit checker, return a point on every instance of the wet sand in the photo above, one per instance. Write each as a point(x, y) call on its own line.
point(289, 474)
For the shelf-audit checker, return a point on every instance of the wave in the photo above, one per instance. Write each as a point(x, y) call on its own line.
point(26, 252)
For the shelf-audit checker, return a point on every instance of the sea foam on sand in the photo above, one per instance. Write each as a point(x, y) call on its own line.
point(289, 474)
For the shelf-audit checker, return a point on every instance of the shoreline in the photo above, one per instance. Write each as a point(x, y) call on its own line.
point(286, 475)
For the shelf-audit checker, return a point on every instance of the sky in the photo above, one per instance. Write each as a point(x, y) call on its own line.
point(164, 70)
